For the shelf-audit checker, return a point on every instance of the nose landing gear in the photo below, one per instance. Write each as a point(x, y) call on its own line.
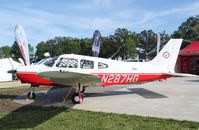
point(31, 95)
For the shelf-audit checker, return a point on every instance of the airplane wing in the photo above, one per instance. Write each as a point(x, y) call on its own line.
point(70, 78)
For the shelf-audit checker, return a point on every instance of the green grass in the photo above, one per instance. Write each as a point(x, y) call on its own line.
point(14, 90)
point(62, 118)
point(19, 89)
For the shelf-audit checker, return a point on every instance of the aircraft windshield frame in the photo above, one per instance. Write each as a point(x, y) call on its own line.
point(50, 62)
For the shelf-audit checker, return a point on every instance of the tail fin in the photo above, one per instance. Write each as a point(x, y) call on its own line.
point(167, 57)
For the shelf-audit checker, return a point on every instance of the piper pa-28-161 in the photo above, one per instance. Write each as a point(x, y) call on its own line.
point(81, 71)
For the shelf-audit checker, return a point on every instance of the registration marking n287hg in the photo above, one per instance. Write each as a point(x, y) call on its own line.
point(111, 79)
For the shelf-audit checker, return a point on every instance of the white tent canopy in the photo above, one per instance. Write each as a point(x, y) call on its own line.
point(6, 65)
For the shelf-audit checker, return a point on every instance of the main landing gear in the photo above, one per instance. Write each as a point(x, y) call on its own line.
point(78, 97)
point(31, 95)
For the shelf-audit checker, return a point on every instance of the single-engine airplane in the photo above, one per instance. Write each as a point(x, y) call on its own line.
point(70, 70)
point(81, 71)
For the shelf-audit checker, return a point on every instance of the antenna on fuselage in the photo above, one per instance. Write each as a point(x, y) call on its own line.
point(115, 53)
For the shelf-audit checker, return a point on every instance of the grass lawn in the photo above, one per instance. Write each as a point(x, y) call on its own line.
point(50, 118)
point(14, 90)
point(20, 90)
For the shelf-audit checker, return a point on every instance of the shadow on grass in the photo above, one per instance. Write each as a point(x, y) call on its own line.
point(5, 96)
point(28, 117)
point(32, 115)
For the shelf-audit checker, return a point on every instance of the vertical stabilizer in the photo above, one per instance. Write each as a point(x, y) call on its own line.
point(167, 57)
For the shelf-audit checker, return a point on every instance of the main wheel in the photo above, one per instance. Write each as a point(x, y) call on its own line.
point(75, 98)
point(31, 95)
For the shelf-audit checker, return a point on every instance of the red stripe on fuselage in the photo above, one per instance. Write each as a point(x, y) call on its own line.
point(109, 79)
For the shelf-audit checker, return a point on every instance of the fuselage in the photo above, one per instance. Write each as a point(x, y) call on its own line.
point(109, 72)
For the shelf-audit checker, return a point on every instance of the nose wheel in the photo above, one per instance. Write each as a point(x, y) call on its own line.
point(31, 95)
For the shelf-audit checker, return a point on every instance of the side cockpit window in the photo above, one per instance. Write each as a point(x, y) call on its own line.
point(86, 64)
point(67, 63)
point(102, 65)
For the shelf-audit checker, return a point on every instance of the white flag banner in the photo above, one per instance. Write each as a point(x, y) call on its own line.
point(20, 37)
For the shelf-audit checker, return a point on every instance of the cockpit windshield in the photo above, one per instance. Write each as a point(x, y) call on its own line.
point(41, 61)
point(50, 62)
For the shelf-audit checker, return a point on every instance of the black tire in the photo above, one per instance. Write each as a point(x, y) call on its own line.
point(75, 98)
point(31, 95)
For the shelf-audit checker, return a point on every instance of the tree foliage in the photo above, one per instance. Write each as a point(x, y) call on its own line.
point(16, 54)
point(15, 51)
point(58, 46)
point(188, 30)
point(5, 52)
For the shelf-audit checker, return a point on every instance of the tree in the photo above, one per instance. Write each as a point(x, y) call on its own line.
point(73, 46)
point(147, 41)
point(86, 46)
point(164, 38)
point(69, 45)
point(58, 46)
point(123, 39)
point(130, 47)
point(107, 48)
point(188, 30)
point(15, 51)
point(31, 53)
point(1, 54)
point(41, 49)
point(5, 51)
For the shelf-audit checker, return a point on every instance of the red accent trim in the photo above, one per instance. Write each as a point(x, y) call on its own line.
point(109, 79)
point(32, 78)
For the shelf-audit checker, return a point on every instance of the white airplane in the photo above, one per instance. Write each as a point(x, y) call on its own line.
point(82, 71)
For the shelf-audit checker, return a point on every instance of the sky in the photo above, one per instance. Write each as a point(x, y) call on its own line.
point(46, 19)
